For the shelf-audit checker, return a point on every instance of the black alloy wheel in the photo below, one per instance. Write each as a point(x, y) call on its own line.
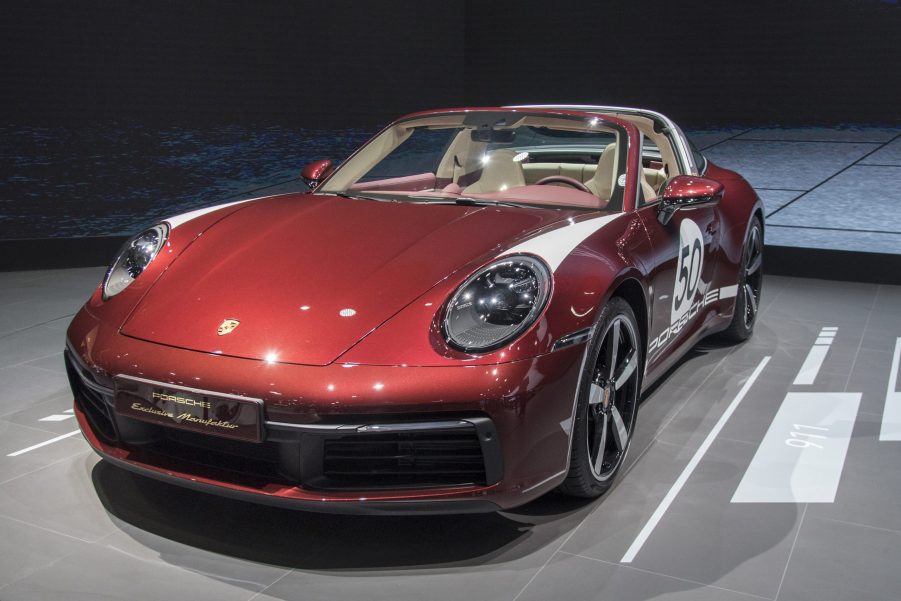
point(750, 283)
point(608, 402)
point(753, 274)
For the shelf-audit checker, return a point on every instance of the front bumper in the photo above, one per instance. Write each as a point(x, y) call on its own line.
point(448, 440)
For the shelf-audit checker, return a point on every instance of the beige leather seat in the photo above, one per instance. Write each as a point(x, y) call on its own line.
point(499, 172)
point(655, 177)
point(601, 183)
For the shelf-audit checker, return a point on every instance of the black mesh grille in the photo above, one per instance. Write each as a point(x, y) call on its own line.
point(91, 402)
point(404, 460)
point(407, 455)
point(255, 459)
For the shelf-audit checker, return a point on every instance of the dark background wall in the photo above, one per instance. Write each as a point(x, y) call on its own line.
point(702, 63)
point(347, 62)
point(334, 62)
point(116, 113)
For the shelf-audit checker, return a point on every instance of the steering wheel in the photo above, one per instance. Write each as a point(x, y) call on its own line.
point(562, 179)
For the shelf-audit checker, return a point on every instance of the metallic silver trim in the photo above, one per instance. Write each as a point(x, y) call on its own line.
point(370, 428)
point(545, 481)
point(577, 337)
point(223, 395)
point(680, 143)
point(409, 427)
point(316, 428)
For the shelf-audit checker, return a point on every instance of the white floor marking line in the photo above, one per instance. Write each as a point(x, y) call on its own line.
point(72, 411)
point(801, 457)
point(891, 413)
point(57, 417)
point(814, 361)
point(44, 444)
point(695, 460)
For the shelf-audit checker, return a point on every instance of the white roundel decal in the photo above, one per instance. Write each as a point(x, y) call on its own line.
point(688, 268)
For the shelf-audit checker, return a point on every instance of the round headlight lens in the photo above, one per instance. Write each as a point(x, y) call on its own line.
point(133, 258)
point(497, 304)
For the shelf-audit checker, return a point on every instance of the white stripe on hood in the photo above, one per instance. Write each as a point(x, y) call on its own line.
point(555, 245)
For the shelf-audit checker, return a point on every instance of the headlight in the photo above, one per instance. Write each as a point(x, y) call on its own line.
point(497, 304)
point(133, 258)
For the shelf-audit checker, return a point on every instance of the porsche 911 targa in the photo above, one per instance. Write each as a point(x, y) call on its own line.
point(460, 317)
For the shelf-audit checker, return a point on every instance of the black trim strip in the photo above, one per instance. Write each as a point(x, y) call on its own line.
point(577, 337)
point(369, 507)
point(826, 264)
point(58, 253)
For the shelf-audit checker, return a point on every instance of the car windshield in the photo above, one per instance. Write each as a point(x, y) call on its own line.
point(491, 157)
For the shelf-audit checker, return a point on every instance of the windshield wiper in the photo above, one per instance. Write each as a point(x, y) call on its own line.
point(469, 202)
point(361, 197)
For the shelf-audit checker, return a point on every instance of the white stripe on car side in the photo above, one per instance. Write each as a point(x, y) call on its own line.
point(728, 291)
point(554, 246)
point(177, 220)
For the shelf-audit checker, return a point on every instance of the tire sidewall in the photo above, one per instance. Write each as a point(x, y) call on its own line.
point(738, 327)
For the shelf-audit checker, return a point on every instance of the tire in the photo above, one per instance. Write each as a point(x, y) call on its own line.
point(750, 283)
point(607, 403)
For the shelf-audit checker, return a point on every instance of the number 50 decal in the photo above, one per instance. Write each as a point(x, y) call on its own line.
point(688, 268)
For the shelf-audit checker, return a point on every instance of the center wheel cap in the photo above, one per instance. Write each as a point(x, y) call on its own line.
point(608, 397)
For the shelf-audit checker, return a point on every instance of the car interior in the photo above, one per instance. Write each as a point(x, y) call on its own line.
point(496, 163)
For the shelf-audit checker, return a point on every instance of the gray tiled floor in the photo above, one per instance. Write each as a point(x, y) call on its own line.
point(822, 187)
point(73, 527)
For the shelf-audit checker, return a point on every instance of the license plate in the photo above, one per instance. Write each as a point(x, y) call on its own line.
point(210, 413)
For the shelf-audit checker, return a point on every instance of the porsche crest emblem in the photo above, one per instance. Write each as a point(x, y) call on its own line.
point(227, 326)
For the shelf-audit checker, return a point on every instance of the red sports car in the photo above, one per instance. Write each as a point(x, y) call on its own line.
point(461, 317)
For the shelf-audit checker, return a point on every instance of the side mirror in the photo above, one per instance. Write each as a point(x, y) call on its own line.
point(688, 192)
point(315, 172)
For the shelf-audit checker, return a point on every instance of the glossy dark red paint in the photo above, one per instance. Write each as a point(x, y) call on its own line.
point(316, 171)
point(309, 276)
point(340, 302)
point(692, 187)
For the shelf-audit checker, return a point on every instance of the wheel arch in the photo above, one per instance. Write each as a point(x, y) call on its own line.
point(631, 291)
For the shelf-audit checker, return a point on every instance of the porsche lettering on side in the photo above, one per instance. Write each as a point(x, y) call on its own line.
point(459, 318)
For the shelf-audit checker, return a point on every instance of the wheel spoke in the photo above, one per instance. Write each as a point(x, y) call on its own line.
point(751, 300)
point(754, 263)
point(600, 441)
point(626, 370)
point(614, 347)
point(620, 432)
point(596, 395)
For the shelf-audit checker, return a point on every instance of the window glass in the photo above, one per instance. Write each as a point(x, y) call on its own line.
point(485, 157)
point(419, 153)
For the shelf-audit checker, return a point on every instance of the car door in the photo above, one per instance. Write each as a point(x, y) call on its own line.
point(682, 274)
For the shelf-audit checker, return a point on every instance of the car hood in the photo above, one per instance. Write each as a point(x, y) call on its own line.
point(307, 276)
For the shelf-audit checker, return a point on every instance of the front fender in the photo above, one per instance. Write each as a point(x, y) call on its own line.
point(583, 280)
